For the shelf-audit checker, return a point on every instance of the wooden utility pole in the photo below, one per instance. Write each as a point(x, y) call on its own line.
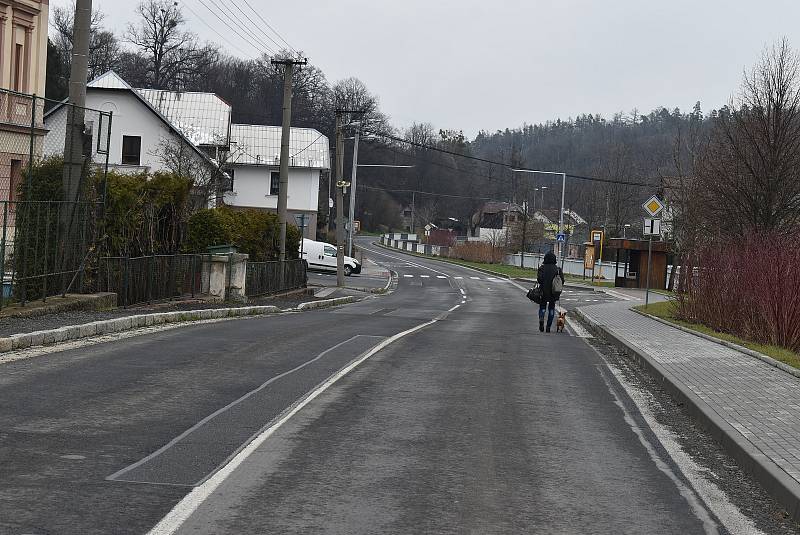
point(288, 71)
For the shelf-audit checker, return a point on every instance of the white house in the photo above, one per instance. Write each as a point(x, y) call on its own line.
point(254, 166)
point(149, 128)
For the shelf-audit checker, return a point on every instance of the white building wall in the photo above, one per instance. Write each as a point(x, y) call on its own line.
point(130, 117)
point(251, 185)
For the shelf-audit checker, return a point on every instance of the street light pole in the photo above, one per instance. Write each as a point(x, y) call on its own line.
point(352, 213)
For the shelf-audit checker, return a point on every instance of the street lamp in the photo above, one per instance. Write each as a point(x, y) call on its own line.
point(625, 227)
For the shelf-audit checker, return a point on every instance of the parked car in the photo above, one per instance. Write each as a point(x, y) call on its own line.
point(322, 256)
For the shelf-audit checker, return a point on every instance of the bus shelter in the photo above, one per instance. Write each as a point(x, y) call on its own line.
point(631, 263)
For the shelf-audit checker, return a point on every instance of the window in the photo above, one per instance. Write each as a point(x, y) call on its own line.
point(18, 68)
point(329, 251)
point(274, 183)
point(131, 150)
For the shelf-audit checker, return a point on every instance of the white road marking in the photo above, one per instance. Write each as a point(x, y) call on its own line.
point(408, 276)
point(410, 263)
point(578, 330)
point(425, 276)
point(475, 278)
point(458, 278)
point(703, 489)
point(189, 504)
point(462, 291)
point(440, 277)
point(116, 475)
point(622, 296)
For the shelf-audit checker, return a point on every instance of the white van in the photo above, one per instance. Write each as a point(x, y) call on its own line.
point(322, 256)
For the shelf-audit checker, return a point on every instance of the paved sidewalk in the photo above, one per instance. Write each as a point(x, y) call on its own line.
point(760, 402)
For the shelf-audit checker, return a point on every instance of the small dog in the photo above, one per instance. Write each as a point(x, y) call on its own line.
point(562, 320)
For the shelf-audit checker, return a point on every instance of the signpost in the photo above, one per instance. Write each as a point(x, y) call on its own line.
point(597, 236)
point(652, 227)
point(301, 224)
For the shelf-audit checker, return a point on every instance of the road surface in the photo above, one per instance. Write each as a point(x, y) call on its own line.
point(470, 422)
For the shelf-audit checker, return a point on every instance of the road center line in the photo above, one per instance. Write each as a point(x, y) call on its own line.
point(189, 504)
point(177, 439)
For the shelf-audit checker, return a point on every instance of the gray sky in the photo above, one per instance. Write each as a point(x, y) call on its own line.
point(492, 64)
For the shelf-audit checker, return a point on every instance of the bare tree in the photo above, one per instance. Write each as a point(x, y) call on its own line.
point(104, 47)
point(751, 169)
point(174, 56)
point(352, 94)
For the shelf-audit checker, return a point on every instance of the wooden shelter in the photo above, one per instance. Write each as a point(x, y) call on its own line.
point(633, 255)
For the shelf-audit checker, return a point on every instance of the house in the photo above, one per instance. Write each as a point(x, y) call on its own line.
point(494, 220)
point(23, 60)
point(254, 168)
point(150, 130)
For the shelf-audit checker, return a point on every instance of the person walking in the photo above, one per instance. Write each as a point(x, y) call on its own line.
point(551, 292)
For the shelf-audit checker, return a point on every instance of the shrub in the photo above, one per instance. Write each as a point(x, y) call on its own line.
point(254, 232)
point(478, 251)
point(748, 287)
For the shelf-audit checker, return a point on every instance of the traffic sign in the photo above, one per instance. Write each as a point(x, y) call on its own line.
point(561, 237)
point(652, 226)
point(653, 206)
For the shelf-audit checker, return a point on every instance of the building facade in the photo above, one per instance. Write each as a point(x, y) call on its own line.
point(145, 137)
point(23, 62)
point(254, 166)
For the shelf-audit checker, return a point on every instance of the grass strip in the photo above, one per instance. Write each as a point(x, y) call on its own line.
point(666, 311)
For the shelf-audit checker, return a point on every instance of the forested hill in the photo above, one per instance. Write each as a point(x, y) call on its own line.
point(628, 148)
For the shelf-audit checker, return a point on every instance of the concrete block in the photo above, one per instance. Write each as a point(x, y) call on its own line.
point(71, 332)
point(37, 338)
point(103, 327)
point(157, 319)
point(6, 344)
point(88, 329)
point(20, 341)
point(206, 314)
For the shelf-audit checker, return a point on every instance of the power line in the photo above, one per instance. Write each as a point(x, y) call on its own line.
point(307, 146)
point(256, 26)
point(418, 192)
point(267, 24)
point(198, 17)
point(501, 164)
point(234, 30)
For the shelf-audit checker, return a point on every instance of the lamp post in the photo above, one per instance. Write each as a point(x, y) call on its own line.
point(563, 190)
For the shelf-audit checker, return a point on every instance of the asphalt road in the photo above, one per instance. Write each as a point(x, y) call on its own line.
point(473, 423)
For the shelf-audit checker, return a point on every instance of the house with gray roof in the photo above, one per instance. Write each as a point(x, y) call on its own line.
point(152, 130)
point(254, 165)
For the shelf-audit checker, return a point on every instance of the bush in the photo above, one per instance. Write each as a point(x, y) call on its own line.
point(254, 232)
point(747, 287)
point(478, 251)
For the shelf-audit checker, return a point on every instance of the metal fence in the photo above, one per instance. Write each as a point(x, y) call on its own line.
point(264, 278)
point(146, 279)
point(53, 167)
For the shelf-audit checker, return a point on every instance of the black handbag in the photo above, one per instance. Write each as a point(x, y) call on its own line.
point(535, 294)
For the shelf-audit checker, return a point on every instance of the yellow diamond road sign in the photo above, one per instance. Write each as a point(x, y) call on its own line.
point(653, 206)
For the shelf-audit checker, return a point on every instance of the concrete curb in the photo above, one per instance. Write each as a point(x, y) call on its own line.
point(326, 303)
point(730, 345)
point(86, 330)
point(778, 483)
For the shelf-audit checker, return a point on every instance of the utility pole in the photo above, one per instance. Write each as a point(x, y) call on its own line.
point(561, 217)
point(74, 142)
point(339, 202)
point(288, 71)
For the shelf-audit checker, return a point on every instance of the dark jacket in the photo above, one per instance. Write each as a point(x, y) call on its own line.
point(547, 272)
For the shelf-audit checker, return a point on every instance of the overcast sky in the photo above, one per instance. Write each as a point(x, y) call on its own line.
point(492, 64)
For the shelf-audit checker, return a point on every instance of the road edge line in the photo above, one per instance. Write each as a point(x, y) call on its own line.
point(780, 485)
point(181, 512)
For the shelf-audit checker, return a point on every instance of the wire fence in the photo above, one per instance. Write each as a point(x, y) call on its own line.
point(53, 169)
point(264, 278)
